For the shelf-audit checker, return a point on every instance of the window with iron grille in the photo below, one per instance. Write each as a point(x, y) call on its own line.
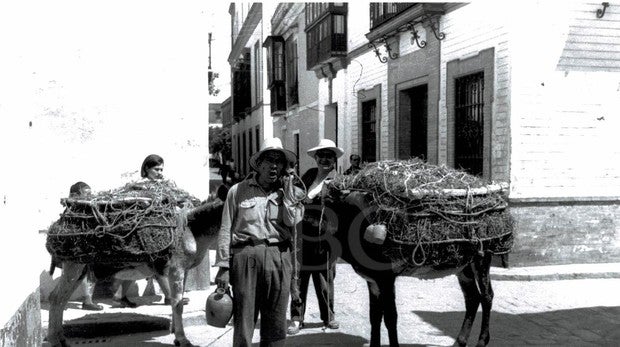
point(469, 123)
point(369, 131)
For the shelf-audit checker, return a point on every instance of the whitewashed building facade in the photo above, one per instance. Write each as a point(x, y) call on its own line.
point(521, 92)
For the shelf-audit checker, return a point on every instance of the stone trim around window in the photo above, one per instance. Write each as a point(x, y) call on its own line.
point(484, 61)
point(363, 96)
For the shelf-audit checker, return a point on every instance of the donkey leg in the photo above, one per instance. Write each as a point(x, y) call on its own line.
point(69, 280)
point(175, 278)
point(376, 314)
point(472, 300)
point(481, 269)
point(390, 315)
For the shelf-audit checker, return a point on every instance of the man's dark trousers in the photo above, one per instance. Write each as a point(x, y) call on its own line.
point(261, 282)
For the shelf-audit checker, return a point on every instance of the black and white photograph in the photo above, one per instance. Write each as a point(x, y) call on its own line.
point(215, 173)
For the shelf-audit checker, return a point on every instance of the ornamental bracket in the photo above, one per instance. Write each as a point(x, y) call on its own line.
point(381, 58)
point(600, 13)
point(383, 40)
point(415, 37)
point(434, 24)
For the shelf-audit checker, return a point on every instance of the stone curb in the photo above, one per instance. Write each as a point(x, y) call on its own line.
point(557, 272)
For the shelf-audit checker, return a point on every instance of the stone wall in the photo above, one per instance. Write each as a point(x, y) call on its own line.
point(566, 234)
point(24, 328)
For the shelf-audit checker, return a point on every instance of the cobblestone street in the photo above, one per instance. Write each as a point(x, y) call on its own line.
point(583, 312)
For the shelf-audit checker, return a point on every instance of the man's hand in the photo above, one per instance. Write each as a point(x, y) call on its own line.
point(292, 194)
point(222, 279)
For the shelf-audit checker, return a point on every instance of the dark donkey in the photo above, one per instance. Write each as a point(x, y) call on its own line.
point(368, 259)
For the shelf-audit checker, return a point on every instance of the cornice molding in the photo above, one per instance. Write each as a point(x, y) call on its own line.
point(254, 17)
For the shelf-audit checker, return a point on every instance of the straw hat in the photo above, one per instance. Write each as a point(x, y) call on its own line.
point(272, 144)
point(326, 144)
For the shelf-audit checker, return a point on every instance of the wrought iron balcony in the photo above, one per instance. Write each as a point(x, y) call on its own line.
point(381, 12)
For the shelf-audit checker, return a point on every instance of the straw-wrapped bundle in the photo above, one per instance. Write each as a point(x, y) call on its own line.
point(137, 222)
point(433, 215)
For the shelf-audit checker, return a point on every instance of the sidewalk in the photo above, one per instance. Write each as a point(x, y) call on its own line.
point(556, 272)
point(536, 305)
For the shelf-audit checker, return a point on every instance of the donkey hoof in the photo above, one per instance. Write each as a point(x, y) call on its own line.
point(60, 343)
point(183, 343)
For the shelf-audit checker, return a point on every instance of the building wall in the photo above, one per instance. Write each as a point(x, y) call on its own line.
point(303, 118)
point(89, 105)
point(565, 116)
point(565, 168)
point(565, 233)
point(364, 73)
point(414, 66)
point(259, 115)
point(470, 29)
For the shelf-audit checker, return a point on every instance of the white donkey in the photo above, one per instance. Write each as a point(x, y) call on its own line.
point(188, 253)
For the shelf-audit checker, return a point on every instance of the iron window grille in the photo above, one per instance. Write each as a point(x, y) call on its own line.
point(469, 123)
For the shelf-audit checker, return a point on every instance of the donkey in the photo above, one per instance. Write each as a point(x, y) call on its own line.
point(196, 234)
point(369, 261)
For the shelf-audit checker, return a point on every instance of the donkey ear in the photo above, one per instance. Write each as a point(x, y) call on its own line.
point(356, 198)
point(222, 192)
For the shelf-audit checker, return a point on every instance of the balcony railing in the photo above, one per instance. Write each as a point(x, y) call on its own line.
point(384, 11)
point(331, 46)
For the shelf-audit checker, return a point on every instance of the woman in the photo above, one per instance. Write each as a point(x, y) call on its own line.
point(317, 259)
point(152, 170)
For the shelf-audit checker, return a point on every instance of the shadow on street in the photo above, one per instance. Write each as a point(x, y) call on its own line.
point(595, 325)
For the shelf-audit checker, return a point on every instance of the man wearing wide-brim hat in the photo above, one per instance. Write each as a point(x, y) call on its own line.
point(254, 244)
point(317, 256)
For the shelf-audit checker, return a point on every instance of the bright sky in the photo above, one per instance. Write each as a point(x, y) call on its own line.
point(219, 25)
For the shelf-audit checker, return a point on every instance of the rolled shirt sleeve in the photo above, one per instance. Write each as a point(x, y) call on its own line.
point(225, 236)
point(293, 213)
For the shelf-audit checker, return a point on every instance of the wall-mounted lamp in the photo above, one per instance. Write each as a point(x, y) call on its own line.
point(600, 13)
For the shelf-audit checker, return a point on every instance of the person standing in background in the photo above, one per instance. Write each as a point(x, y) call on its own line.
point(317, 258)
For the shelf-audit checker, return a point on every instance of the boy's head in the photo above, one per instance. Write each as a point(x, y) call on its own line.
point(79, 189)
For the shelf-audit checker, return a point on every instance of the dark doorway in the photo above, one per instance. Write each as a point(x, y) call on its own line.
point(369, 131)
point(413, 123)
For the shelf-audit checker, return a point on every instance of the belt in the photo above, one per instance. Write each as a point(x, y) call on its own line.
point(256, 242)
